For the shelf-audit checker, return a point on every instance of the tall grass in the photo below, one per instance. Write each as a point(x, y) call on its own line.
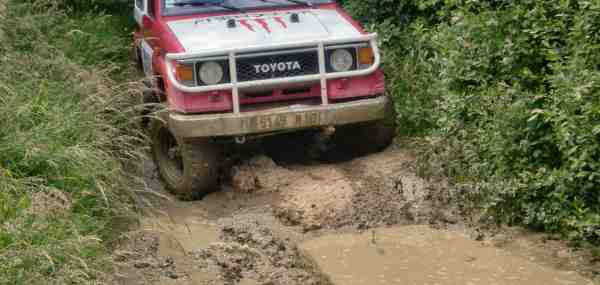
point(63, 144)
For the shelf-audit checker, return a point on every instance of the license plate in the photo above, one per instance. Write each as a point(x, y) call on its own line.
point(281, 121)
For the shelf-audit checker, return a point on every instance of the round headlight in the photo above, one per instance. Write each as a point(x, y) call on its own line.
point(341, 60)
point(211, 73)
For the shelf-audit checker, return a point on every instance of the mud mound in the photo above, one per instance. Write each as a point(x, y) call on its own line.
point(316, 198)
point(50, 202)
point(139, 262)
point(260, 173)
point(373, 191)
point(250, 251)
point(310, 196)
point(384, 201)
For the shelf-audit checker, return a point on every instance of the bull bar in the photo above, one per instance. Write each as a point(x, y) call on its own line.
point(236, 123)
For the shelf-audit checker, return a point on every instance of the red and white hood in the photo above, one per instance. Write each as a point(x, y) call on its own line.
point(250, 30)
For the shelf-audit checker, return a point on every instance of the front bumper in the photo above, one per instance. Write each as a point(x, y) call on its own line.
point(279, 119)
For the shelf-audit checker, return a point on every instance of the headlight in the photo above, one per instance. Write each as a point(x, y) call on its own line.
point(211, 73)
point(341, 60)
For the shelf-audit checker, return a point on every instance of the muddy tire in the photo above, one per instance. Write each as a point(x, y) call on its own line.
point(188, 169)
point(368, 137)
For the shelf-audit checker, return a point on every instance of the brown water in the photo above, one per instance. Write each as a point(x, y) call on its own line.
point(420, 255)
point(180, 235)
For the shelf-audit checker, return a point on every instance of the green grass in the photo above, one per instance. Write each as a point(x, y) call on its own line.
point(64, 109)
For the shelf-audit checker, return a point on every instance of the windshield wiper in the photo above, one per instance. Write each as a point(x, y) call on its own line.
point(209, 3)
point(301, 2)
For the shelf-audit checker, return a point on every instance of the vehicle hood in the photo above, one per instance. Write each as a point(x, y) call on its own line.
point(213, 33)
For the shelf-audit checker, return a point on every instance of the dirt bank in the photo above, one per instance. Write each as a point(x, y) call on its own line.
point(248, 232)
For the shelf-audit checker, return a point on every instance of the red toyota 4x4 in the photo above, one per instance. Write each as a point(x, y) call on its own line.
point(238, 69)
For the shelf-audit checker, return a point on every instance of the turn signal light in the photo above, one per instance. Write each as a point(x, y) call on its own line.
point(365, 56)
point(184, 72)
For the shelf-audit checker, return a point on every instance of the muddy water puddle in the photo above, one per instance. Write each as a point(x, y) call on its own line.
point(296, 224)
point(183, 235)
point(420, 255)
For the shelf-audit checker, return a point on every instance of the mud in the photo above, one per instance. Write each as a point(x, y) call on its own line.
point(421, 255)
point(49, 202)
point(250, 251)
point(249, 232)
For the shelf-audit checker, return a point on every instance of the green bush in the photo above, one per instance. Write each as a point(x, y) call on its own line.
point(508, 93)
point(403, 27)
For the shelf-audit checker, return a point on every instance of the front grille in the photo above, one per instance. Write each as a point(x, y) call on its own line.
point(277, 65)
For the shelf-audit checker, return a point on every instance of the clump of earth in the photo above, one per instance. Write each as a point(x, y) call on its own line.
point(249, 251)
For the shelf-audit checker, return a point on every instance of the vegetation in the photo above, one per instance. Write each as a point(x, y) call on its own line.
point(507, 95)
point(63, 144)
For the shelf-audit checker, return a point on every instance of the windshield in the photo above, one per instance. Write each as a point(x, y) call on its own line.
point(169, 7)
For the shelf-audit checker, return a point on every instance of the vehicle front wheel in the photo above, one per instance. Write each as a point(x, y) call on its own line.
point(189, 169)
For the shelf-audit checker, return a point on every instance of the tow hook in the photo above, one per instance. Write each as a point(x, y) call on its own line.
point(240, 139)
point(328, 131)
point(322, 138)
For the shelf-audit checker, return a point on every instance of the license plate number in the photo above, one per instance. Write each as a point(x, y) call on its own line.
point(281, 121)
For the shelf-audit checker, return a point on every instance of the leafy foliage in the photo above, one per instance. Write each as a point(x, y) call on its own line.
point(508, 93)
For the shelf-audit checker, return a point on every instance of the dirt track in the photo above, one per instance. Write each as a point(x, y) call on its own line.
point(249, 232)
